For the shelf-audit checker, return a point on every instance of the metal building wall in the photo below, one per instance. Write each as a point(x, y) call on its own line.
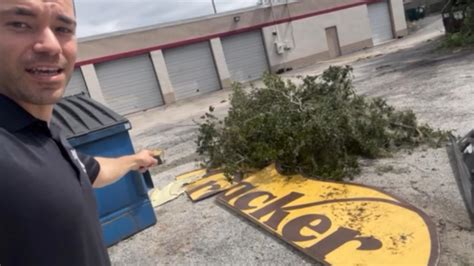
point(129, 84)
point(245, 56)
point(76, 84)
point(380, 22)
point(192, 70)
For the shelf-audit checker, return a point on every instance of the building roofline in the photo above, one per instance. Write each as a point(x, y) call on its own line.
point(174, 23)
point(222, 34)
point(164, 24)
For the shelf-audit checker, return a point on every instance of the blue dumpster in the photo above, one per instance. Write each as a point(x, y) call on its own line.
point(91, 128)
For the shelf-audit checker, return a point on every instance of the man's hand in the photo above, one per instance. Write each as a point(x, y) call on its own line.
point(144, 160)
point(111, 169)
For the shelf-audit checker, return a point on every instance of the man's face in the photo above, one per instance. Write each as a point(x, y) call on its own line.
point(37, 49)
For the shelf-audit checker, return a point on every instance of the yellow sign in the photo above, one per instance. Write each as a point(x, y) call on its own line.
point(208, 185)
point(336, 223)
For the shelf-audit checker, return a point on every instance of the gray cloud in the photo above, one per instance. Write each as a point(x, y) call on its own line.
point(105, 16)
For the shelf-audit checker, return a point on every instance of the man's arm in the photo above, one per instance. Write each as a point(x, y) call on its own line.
point(111, 169)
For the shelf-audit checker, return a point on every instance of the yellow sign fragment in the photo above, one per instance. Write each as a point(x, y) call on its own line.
point(336, 223)
point(199, 173)
point(207, 185)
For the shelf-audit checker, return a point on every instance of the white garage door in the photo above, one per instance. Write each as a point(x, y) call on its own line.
point(130, 84)
point(245, 56)
point(380, 22)
point(76, 84)
point(192, 70)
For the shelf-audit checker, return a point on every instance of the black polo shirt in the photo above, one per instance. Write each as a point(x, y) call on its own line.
point(48, 213)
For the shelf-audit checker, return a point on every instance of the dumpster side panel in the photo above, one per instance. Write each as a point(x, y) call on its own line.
point(124, 207)
point(127, 222)
point(90, 127)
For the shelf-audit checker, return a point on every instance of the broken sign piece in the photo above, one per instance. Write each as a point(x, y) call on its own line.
point(209, 185)
point(171, 191)
point(336, 223)
point(159, 154)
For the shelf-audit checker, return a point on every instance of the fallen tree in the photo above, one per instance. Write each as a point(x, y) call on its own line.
point(319, 128)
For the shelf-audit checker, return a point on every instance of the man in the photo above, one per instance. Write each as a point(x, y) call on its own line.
point(47, 207)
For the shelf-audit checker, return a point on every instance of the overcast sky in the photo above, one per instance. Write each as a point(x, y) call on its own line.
point(105, 16)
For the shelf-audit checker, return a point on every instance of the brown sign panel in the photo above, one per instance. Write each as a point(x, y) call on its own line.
point(336, 223)
point(207, 185)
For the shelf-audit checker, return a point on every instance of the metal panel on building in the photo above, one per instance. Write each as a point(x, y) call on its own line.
point(245, 55)
point(192, 70)
point(380, 22)
point(76, 84)
point(129, 84)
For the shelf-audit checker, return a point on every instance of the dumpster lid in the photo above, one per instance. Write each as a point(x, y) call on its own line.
point(79, 115)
